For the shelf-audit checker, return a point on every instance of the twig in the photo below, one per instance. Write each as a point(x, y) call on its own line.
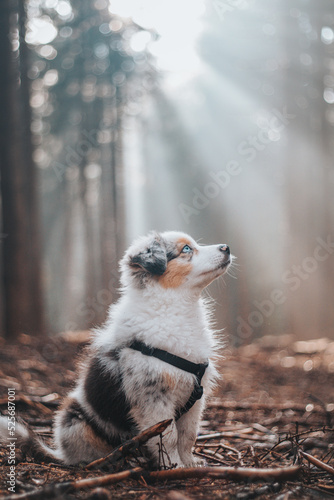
point(261, 428)
point(226, 433)
point(256, 437)
point(290, 438)
point(210, 455)
point(219, 446)
point(233, 450)
point(229, 448)
point(327, 487)
point(254, 456)
point(131, 445)
point(163, 455)
point(318, 463)
point(35, 404)
point(31, 400)
point(205, 437)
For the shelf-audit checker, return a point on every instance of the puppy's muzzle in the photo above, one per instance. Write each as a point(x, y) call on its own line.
point(225, 250)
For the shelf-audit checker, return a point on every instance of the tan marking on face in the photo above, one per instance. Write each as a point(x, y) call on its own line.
point(184, 241)
point(175, 274)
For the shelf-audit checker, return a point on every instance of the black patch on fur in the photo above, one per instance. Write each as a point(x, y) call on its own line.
point(105, 394)
point(153, 259)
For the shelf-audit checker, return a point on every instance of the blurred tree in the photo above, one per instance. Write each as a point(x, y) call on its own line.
point(23, 310)
point(81, 91)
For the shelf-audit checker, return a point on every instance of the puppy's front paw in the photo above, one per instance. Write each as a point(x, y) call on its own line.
point(195, 462)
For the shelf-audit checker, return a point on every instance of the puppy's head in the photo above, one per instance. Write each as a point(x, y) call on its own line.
point(173, 260)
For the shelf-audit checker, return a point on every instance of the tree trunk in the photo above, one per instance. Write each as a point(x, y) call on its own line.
point(33, 236)
point(21, 287)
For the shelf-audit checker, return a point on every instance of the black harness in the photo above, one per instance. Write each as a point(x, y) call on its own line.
point(197, 369)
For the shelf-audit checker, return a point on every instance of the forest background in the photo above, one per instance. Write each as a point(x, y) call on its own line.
point(215, 118)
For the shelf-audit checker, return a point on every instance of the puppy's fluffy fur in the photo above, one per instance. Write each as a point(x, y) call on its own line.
point(120, 391)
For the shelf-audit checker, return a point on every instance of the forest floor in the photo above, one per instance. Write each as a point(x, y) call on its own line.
point(274, 408)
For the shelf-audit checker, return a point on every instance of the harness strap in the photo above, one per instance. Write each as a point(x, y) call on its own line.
point(197, 369)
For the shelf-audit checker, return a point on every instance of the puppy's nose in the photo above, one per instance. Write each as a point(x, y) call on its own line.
point(224, 249)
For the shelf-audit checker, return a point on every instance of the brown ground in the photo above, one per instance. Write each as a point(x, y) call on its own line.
point(270, 391)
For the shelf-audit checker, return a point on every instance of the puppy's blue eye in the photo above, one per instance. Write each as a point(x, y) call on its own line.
point(186, 249)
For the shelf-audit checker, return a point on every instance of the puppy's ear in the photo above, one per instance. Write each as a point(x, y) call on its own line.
point(152, 259)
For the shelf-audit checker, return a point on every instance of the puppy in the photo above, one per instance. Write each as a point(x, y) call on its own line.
point(152, 360)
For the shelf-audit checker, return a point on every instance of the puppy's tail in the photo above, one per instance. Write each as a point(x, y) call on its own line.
point(26, 440)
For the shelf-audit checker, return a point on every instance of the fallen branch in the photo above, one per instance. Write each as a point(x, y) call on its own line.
point(318, 463)
point(233, 473)
point(131, 445)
